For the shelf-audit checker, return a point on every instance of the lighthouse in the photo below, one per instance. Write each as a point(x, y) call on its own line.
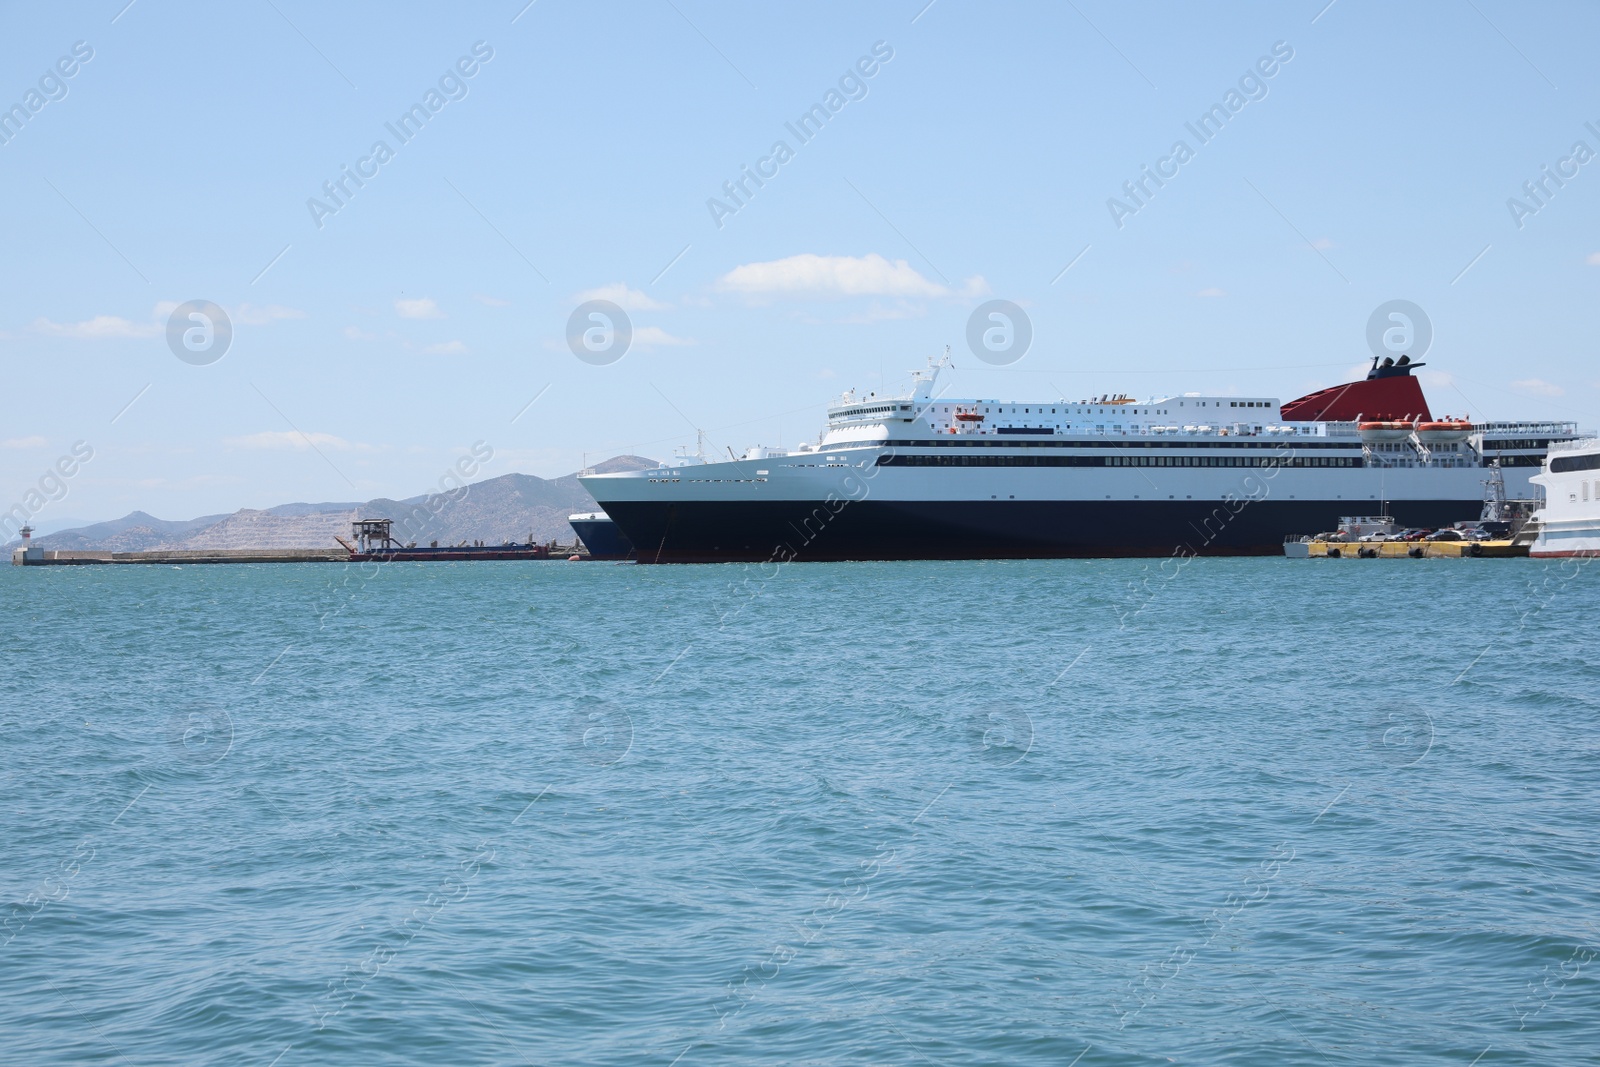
point(27, 553)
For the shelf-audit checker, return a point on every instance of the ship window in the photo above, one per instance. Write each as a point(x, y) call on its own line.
point(1563, 464)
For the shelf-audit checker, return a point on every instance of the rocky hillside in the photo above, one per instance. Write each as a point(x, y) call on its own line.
point(509, 508)
point(263, 529)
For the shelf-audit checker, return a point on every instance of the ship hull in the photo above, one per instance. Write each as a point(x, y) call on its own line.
point(1564, 539)
point(602, 538)
point(707, 531)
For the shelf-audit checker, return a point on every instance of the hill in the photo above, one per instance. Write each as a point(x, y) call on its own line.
point(511, 507)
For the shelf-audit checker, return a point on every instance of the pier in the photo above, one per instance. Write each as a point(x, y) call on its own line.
point(1498, 549)
point(377, 549)
point(38, 557)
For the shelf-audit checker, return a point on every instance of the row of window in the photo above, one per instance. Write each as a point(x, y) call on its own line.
point(1118, 443)
point(1492, 444)
point(1117, 461)
point(853, 412)
point(1069, 410)
point(1563, 464)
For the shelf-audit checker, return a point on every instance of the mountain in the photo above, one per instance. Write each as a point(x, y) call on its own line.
point(134, 532)
point(507, 508)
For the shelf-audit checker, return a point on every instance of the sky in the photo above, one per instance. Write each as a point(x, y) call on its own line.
point(360, 335)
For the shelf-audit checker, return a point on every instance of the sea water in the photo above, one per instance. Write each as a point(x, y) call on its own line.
point(1070, 812)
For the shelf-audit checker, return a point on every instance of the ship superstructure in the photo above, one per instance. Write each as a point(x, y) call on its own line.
point(927, 477)
point(1569, 521)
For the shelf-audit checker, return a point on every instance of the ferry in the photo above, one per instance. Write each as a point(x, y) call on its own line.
point(1569, 522)
point(600, 535)
point(921, 476)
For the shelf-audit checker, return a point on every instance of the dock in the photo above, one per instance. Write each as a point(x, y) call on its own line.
point(38, 557)
point(373, 545)
point(1499, 549)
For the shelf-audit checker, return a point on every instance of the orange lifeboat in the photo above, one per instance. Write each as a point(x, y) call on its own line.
point(1441, 431)
point(968, 416)
point(1385, 430)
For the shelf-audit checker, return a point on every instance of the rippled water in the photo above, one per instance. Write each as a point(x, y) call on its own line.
point(1249, 811)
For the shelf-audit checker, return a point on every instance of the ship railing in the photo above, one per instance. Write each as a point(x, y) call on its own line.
point(1568, 428)
point(1339, 429)
point(1572, 446)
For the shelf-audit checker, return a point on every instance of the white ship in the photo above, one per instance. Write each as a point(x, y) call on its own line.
point(925, 477)
point(1569, 521)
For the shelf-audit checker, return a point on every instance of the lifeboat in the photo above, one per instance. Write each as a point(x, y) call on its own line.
point(1444, 431)
point(968, 416)
point(1385, 430)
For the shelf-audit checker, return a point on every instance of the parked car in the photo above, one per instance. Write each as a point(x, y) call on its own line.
point(1445, 535)
point(1415, 535)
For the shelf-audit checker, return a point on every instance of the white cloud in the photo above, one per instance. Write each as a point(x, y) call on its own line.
point(447, 348)
point(423, 307)
point(627, 299)
point(655, 336)
point(1594, 259)
point(249, 315)
point(294, 439)
point(24, 442)
point(813, 275)
point(115, 327)
point(1539, 386)
point(99, 328)
point(356, 333)
point(1212, 292)
point(491, 301)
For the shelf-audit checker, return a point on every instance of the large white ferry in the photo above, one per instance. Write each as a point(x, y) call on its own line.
point(1569, 521)
point(925, 477)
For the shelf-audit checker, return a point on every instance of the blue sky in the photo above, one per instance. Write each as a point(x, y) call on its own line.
point(577, 162)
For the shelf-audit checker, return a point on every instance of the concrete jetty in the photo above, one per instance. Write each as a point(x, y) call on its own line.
point(39, 557)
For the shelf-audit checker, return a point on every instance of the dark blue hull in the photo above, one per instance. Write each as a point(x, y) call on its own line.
point(705, 532)
point(602, 538)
